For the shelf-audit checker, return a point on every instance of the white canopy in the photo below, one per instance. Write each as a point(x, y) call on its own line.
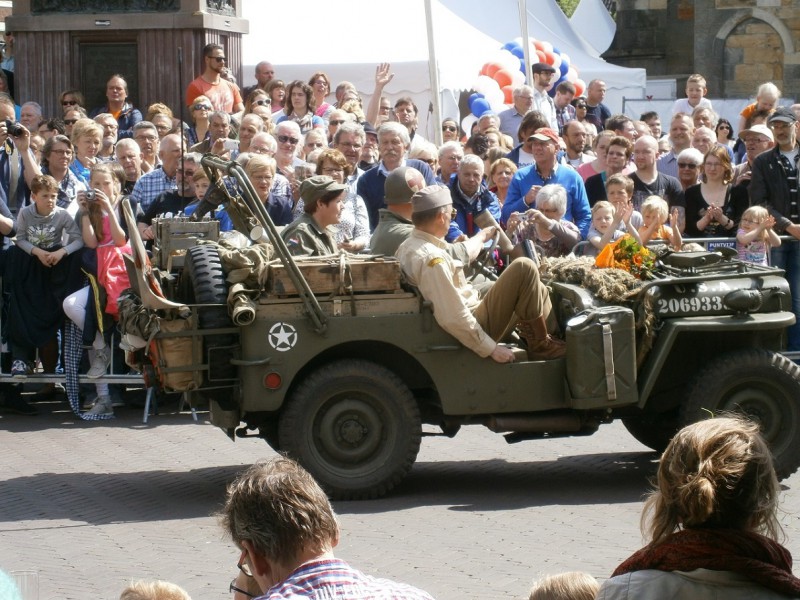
point(348, 41)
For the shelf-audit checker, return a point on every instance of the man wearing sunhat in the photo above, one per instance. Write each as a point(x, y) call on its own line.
point(545, 170)
point(774, 183)
point(518, 297)
point(756, 140)
point(543, 76)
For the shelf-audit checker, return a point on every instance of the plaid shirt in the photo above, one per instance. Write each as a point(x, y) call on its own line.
point(564, 116)
point(150, 186)
point(334, 579)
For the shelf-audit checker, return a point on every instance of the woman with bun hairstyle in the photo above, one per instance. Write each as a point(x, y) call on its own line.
point(712, 522)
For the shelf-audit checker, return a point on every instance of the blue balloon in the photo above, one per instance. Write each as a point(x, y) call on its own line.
point(556, 51)
point(563, 68)
point(510, 46)
point(472, 99)
point(480, 106)
point(518, 51)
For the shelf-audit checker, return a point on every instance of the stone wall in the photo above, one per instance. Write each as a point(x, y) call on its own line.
point(736, 44)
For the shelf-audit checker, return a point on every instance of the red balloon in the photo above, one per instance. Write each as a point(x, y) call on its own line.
point(539, 45)
point(508, 93)
point(549, 57)
point(492, 68)
point(540, 56)
point(485, 69)
point(580, 87)
point(504, 77)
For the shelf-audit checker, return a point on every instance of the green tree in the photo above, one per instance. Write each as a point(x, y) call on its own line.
point(568, 6)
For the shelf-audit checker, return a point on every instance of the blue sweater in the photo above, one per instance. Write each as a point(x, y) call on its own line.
point(370, 187)
point(577, 203)
point(466, 212)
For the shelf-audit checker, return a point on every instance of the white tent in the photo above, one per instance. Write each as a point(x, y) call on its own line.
point(593, 23)
point(347, 42)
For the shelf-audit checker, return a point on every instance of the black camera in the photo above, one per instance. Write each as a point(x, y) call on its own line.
point(90, 196)
point(14, 129)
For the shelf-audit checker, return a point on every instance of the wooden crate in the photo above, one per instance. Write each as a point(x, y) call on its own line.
point(365, 274)
point(177, 234)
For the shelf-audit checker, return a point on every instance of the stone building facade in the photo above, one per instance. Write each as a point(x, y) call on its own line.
point(735, 44)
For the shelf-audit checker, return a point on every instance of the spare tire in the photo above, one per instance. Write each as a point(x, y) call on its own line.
point(203, 282)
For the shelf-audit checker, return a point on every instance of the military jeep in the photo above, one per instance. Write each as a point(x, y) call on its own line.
point(342, 362)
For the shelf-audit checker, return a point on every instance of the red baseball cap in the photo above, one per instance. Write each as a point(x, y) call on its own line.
point(545, 134)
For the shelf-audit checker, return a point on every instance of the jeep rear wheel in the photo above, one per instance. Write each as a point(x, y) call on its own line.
point(761, 385)
point(355, 426)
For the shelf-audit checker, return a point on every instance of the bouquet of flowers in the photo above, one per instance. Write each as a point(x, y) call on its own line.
point(627, 254)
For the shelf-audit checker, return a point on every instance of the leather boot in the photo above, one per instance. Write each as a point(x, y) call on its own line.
point(541, 345)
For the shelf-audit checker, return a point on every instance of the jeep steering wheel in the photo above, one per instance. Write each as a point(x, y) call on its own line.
point(484, 255)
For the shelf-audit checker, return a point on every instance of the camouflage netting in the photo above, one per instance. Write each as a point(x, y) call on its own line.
point(610, 286)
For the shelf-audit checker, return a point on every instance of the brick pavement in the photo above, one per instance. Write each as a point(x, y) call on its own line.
point(92, 505)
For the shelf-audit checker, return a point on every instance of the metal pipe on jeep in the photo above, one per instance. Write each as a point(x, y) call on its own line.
point(259, 211)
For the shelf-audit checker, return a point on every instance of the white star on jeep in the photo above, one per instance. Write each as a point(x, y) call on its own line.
point(282, 337)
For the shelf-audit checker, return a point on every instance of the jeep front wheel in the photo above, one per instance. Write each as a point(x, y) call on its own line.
point(761, 385)
point(653, 430)
point(354, 425)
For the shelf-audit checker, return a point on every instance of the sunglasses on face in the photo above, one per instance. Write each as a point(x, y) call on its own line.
point(283, 139)
point(580, 106)
point(682, 165)
point(69, 102)
point(218, 58)
point(336, 121)
point(262, 102)
point(70, 121)
point(201, 107)
point(449, 128)
point(724, 127)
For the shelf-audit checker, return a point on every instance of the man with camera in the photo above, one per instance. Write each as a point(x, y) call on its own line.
point(18, 166)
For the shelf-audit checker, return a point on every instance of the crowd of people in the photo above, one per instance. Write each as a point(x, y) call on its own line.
point(557, 170)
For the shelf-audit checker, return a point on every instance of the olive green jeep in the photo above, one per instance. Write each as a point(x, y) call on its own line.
point(340, 363)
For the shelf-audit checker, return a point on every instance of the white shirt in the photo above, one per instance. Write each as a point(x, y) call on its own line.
point(545, 105)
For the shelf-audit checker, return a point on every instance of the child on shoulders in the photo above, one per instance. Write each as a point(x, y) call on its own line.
point(696, 91)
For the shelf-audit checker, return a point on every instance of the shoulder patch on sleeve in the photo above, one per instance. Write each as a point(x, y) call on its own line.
point(435, 261)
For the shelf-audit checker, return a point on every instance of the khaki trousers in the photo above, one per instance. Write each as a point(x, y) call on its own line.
point(518, 295)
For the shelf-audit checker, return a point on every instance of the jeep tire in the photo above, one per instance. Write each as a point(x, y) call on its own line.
point(653, 430)
point(203, 282)
point(762, 385)
point(355, 426)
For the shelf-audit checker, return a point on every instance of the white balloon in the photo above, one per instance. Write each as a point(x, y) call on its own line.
point(466, 123)
point(518, 78)
point(556, 61)
point(547, 46)
point(572, 75)
point(517, 41)
point(495, 96)
point(566, 59)
point(483, 84)
point(509, 61)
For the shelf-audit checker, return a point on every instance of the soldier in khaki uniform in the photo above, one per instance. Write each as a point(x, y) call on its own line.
point(517, 295)
point(309, 235)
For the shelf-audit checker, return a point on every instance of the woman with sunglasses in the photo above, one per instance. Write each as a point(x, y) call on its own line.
point(300, 107)
point(724, 131)
point(199, 111)
point(70, 99)
point(321, 88)
point(689, 161)
point(581, 109)
point(257, 97)
point(72, 116)
point(450, 131)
